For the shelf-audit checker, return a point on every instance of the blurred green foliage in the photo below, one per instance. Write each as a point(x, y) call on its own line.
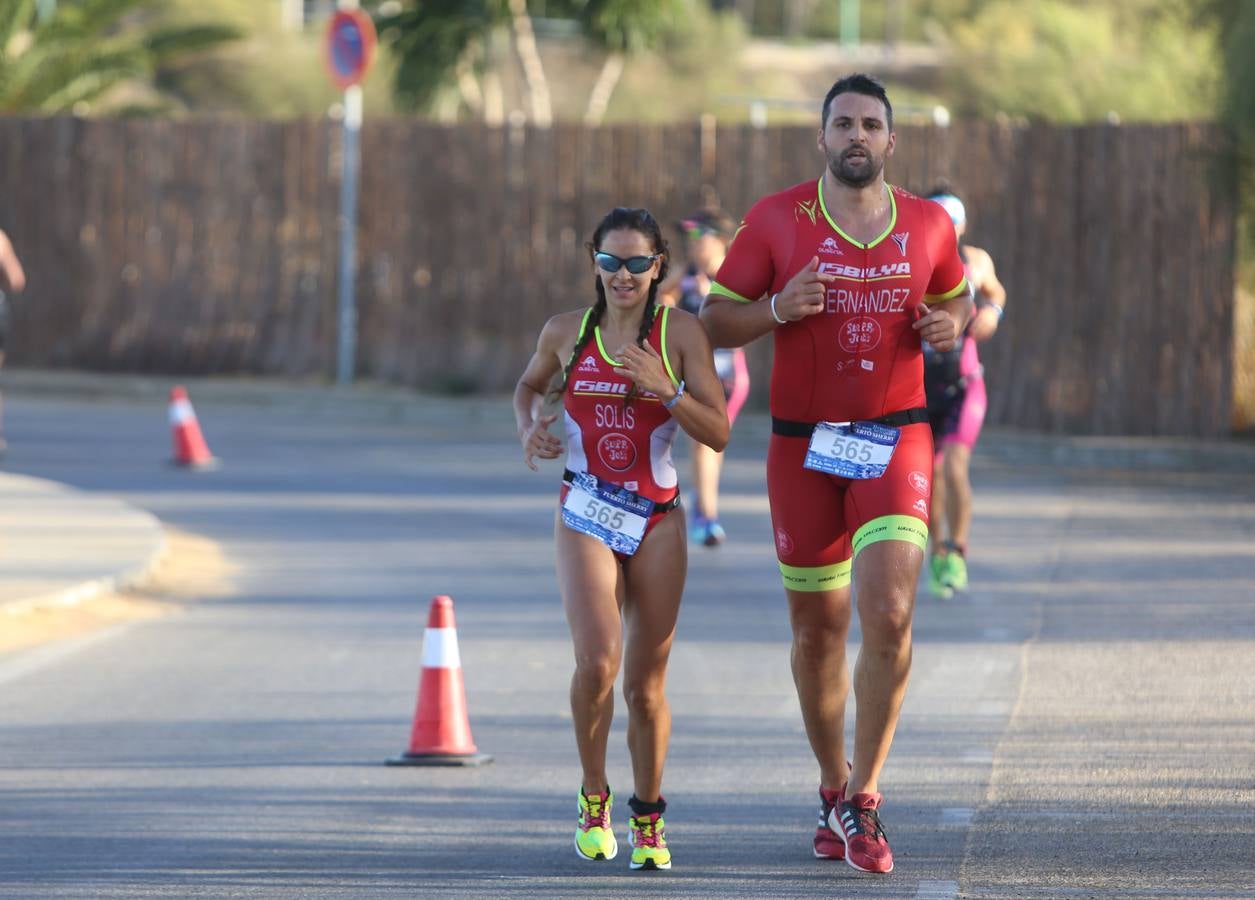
point(1235, 20)
point(83, 57)
point(431, 38)
point(1071, 61)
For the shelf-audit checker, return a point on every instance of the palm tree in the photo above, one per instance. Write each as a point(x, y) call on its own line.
point(69, 60)
point(620, 28)
point(441, 41)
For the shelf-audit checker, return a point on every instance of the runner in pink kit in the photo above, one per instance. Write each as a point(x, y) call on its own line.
point(955, 385)
point(706, 235)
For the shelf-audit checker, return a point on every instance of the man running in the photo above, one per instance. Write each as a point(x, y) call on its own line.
point(850, 274)
point(954, 382)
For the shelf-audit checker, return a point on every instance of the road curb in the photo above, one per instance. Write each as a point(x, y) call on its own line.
point(123, 563)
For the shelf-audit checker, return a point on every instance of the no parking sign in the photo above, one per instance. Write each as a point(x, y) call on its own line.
point(350, 46)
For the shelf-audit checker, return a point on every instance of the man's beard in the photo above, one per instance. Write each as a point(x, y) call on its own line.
point(858, 177)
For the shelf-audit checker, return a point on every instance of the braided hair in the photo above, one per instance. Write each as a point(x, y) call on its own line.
point(620, 217)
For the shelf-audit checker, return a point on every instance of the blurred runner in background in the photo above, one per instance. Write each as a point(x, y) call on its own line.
point(955, 384)
point(706, 234)
point(12, 281)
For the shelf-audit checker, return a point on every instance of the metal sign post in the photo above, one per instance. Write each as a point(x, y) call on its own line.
point(350, 132)
point(350, 50)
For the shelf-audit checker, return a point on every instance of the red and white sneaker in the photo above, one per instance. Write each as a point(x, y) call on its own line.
point(866, 847)
point(828, 843)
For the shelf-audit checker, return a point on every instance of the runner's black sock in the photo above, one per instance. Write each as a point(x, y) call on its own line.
point(640, 808)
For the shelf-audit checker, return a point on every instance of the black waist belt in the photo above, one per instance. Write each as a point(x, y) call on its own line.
point(568, 476)
point(789, 428)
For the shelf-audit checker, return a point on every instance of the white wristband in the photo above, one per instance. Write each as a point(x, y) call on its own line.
point(679, 392)
point(774, 314)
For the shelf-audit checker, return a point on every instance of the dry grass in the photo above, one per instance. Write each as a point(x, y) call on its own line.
point(192, 568)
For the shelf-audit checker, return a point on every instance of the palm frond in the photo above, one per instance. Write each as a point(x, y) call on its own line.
point(164, 43)
point(15, 15)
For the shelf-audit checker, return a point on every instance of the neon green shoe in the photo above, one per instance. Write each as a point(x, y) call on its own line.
point(648, 837)
point(937, 585)
point(954, 573)
point(594, 838)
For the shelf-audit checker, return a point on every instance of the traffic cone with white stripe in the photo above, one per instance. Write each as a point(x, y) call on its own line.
point(442, 732)
point(190, 448)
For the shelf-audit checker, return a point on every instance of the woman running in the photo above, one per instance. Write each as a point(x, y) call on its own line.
point(631, 373)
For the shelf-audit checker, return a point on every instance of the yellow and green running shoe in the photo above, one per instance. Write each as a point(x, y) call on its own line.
point(954, 572)
point(937, 585)
point(594, 838)
point(648, 837)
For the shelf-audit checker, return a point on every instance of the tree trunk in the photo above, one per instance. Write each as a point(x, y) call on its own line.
point(607, 81)
point(468, 86)
point(533, 71)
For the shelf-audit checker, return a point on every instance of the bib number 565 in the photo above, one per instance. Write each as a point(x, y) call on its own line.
point(855, 451)
point(604, 515)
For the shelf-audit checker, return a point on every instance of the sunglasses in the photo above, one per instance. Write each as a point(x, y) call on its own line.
point(695, 230)
point(637, 265)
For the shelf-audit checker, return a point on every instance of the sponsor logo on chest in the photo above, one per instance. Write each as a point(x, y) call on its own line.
point(612, 388)
point(829, 247)
point(867, 273)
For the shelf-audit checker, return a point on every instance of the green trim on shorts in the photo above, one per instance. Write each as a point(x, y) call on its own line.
point(892, 528)
point(816, 578)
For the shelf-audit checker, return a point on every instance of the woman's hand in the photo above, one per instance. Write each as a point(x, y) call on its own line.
point(644, 366)
point(538, 442)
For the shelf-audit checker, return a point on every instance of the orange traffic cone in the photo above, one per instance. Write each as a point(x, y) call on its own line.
point(442, 732)
point(189, 444)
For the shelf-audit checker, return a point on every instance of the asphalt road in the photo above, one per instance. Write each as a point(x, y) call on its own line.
point(1080, 725)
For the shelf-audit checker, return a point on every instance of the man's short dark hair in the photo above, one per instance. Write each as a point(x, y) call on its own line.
point(858, 83)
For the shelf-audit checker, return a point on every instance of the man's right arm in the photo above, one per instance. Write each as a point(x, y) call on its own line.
point(731, 315)
point(734, 322)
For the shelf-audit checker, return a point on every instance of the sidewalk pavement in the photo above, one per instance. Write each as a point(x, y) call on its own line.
point(60, 546)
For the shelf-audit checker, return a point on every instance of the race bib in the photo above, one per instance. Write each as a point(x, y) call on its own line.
point(851, 449)
point(614, 515)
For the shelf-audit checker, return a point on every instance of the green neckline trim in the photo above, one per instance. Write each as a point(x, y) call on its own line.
point(664, 312)
point(601, 348)
point(893, 217)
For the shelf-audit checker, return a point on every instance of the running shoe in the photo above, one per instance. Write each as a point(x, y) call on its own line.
point(866, 846)
point(594, 838)
point(697, 529)
point(715, 535)
point(954, 574)
point(828, 843)
point(648, 837)
point(937, 585)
